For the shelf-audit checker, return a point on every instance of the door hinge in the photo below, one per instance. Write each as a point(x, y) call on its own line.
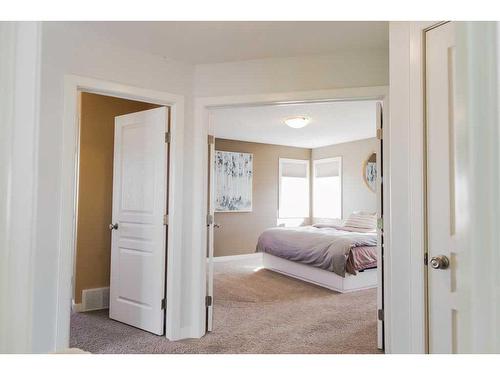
point(210, 219)
point(380, 223)
point(380, 314)
point(379, 133)
point(208, 301)
point(165, 219)
point(163, 304)
point(211, 139)
point(167, 137)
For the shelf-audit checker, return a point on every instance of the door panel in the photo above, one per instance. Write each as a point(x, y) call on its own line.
point(138, 245)
point(210, 230)
point(440, 50)
point(380, 231)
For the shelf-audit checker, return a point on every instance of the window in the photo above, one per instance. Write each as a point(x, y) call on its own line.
point(293, 188)
point(327, 188)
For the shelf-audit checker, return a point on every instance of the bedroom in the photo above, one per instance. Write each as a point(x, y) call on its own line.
point(296, 182)
point(427, 190)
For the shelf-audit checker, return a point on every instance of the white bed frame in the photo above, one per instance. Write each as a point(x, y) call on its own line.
point(350, 283)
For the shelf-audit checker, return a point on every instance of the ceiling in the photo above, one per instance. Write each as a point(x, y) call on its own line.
point(200, 42)
point(331, 123)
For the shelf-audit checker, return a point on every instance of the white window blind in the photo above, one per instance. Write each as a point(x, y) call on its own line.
point(327, 188)
point(293, 188)
point(294, 168)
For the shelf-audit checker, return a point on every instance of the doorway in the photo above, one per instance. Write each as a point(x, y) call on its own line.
point(217, 222)
point(122, 197)
point(73, 85)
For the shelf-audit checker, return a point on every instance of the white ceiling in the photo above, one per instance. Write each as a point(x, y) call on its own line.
point(210, 42)
point(331, 123)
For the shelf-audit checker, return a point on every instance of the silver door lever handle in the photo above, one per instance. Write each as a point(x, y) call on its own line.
point(113, 226)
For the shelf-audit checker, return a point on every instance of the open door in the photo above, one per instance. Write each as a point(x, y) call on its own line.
point(210, 232)
point(138, 243)
point(380, 231)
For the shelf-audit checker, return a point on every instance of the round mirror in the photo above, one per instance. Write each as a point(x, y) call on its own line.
point(370, 172)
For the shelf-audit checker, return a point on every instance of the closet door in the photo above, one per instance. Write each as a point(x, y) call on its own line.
point(441, 234)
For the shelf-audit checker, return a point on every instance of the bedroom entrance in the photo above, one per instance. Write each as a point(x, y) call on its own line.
point(294, 226)
point(122, 203)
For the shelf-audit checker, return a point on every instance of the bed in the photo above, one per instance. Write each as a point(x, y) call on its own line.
point(339, 258)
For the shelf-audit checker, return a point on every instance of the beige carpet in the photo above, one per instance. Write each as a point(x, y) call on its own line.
point(256, 311)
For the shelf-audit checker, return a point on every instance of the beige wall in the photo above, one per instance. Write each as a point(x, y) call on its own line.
point(239, 230)
point(356, 196)
point(93, 248)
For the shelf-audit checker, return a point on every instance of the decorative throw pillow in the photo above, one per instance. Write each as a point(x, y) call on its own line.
point(362, 220)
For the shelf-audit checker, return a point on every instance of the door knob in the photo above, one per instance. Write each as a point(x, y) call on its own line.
point(217, 225)
point(113, 226)
point(440, 262)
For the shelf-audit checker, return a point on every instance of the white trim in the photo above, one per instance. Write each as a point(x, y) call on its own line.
point(350, 283)
point(203, 127)
point(210, 231)
point(323, 161)
point(72, 85)
point(76, 307)
point(236, 258)
point(477, 179)
point(20, 48)
point(407, 320)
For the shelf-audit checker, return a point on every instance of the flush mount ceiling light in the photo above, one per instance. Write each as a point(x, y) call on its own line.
point(297, 122)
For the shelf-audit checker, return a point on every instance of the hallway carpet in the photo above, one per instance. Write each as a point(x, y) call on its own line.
point(256, 311)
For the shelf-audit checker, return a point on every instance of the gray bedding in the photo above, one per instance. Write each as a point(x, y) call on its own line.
point(327, 248)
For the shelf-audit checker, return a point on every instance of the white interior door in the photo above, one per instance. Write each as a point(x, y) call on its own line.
point(440, 52)
point(138, 245)
point(210, 231)
point(380, 231)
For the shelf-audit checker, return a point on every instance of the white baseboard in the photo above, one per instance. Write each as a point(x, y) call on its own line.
point(232, 258)
point(76, 307)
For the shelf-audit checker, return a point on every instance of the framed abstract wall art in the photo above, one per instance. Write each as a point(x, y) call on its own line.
point(370, 172)
point(233, 181)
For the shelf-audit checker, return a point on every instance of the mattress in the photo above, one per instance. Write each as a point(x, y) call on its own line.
point(329, 248)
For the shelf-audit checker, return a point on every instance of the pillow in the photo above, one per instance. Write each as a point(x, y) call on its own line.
point(358, 230)
point(362, 220)
point(327, 223)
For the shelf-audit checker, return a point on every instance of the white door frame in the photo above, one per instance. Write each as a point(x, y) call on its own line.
point(72, 86)
point(407, 91)
point(20, 74)
point(407, 117)
point(202, 127)
point(477, 181)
